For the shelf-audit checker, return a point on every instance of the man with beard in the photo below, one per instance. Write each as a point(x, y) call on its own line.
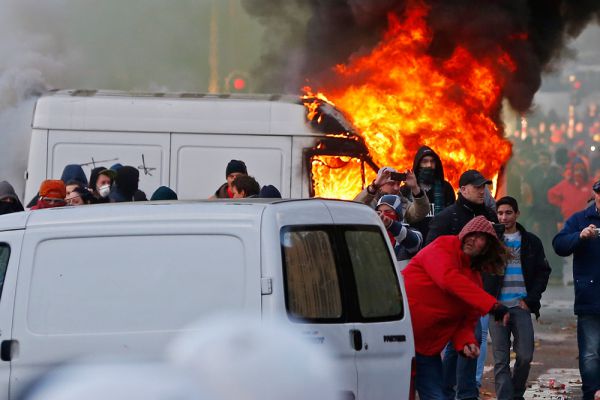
point(446, 298)
point(9, 202)
point(429, 171)
point(460, 372)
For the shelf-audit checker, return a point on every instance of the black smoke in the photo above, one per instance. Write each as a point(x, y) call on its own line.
point(309, 37)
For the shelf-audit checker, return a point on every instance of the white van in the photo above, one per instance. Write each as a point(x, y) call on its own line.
point(185, 140)
point(122, 279)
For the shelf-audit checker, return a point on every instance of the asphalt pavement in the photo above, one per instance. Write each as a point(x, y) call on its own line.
point(554, 371)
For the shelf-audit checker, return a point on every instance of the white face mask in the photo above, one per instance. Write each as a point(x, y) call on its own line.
point(103, 191)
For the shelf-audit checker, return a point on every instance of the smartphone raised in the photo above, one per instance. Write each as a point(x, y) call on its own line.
point(398, 176)
point(499, 228)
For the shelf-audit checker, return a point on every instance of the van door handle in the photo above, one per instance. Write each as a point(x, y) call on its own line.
point(356, 339)
point(6, 349)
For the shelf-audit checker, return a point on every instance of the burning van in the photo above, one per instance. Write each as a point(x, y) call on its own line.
point(185, 141)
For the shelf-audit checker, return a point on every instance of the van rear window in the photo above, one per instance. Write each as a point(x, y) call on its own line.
point(379, 294)
point(338, 273)
point(313, 289)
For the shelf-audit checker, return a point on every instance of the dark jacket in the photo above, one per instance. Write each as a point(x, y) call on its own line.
point(453, 218)
point(447, 191)
point(221, 192)
point(586, 259)
point(536, 272)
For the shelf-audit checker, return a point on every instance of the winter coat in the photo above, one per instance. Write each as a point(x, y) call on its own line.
point(445, 296)
point(406, 240)
point(453, 218)
point(586, 259)
point(448, 195)
point(569, 197)
point(536, 272)
point(222, 192)
point(413, 211)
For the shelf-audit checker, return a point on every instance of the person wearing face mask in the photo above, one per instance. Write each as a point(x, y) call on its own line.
point(9, 202)
point(101, 180)
point(405, 240)
point(429, 171)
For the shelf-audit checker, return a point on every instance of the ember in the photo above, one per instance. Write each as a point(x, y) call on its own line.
point(399, 98)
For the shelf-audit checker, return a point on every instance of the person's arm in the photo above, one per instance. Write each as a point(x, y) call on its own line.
point(419, 207)
point(555, 196)
point(442, 263)
point(541, 274)
point(567, 240)
point(465, 334)
point(409, 238)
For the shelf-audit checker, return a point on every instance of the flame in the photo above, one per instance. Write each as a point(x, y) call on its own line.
point(400, 98)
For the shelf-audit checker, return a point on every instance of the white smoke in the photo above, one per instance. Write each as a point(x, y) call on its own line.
point(132, 45)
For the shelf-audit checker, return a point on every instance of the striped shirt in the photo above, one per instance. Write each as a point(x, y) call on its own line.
point(513, 288)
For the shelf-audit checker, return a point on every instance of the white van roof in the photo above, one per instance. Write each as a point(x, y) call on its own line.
point(116, 111)
point(206, 211)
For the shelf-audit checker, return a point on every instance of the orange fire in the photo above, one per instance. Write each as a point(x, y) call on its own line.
point(400, 98)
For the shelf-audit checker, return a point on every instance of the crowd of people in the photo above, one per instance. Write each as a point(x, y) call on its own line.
point(471, 266)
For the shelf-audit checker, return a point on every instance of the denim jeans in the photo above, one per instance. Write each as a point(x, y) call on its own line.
point(588, 341)
point(520, 327)
point(428, 380)
point(459, 372)
point(482, 349)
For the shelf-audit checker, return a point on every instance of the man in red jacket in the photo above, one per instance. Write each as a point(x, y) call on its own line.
point(446, 298)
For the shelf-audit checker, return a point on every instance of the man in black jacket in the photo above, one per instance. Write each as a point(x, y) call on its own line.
point(429, 171)
point(461, 371)
point(520, 289)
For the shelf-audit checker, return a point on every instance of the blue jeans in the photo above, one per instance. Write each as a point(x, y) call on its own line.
point(482, 349)
point(588, 341)
point(428, 380)
point(459, 372)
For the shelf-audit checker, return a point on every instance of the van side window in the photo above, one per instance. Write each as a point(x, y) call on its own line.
point(312, 284)
point(4, 256)
point(379, 294)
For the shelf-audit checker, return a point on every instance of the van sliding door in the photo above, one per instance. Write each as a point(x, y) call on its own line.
point(198, 161)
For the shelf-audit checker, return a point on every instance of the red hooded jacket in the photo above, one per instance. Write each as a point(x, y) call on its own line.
point(445, 296)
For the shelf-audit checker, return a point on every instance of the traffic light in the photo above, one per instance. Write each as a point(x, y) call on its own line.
point(237, 82)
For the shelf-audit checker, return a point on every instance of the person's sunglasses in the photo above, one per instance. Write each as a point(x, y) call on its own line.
point(596, 187)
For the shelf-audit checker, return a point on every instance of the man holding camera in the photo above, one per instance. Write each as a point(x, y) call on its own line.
point(388, 181)
point(580, 236)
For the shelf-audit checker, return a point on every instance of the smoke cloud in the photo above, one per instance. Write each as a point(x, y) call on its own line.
point(337, 30)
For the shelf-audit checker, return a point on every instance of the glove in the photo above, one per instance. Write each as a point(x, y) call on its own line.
point(498, 311)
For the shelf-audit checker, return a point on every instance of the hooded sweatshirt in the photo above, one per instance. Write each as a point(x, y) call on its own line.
point(439, 191)
point(7, 191)
point(74, 172)
point(445, 294)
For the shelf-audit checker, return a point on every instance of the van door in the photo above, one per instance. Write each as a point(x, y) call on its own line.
point(198, 161)
point(10, 248)
point(148, 152)
point(303, 284)
point(380, 312)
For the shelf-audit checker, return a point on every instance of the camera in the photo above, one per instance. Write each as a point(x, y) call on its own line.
point(499, 228)
point(398, 176)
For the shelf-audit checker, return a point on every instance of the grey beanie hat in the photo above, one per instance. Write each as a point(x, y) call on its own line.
point(6, 190)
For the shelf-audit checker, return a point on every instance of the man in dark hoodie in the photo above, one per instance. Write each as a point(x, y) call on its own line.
point(460, 371)
point(429, 171)
point(9, 202)
point(126, 186)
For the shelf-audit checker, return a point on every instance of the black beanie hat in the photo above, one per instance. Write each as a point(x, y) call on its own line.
point(235, 166)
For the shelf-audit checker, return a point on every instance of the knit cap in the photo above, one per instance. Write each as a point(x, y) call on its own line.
point(53, 188)
point(7, 191)
point(164, 193)
point(236, 166)
point(393, 201)
point(478, 224)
